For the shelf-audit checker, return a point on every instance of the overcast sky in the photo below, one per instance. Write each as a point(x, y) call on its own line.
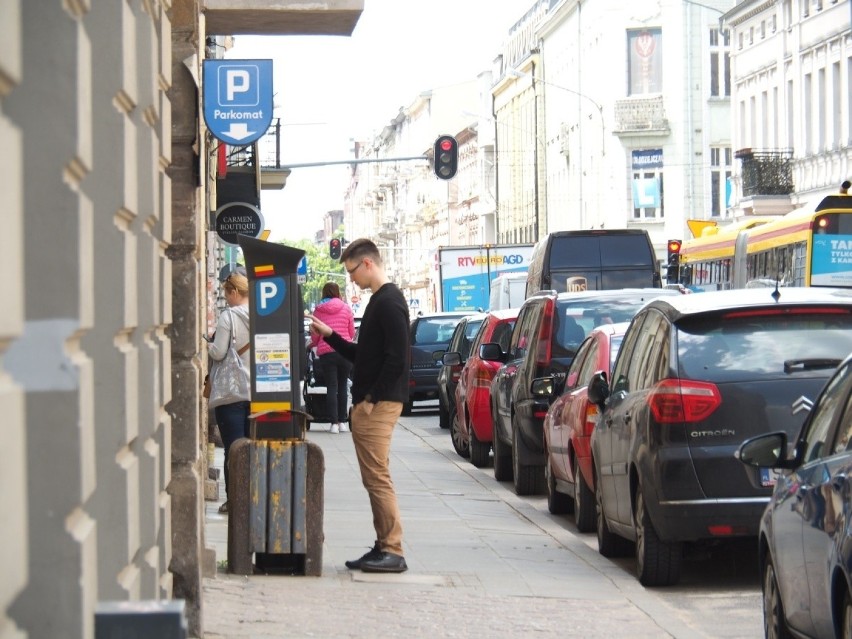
point(331, 89)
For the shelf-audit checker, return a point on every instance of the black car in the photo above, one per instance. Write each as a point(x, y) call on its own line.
point(448, 378)
point(549, 330)
point(430, 336)
point(805, 543)
point(696, 375)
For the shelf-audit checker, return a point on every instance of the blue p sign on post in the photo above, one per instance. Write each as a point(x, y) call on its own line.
point(237, 99)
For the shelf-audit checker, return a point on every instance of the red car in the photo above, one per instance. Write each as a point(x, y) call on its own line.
point(568, 426)
point(471, 426)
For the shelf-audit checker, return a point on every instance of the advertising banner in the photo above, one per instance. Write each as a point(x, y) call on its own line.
point(466, 272)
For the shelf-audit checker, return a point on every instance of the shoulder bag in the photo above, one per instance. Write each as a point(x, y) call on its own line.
point(229, 378)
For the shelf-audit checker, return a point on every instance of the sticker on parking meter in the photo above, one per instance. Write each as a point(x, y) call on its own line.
point(269, 293)
point(272, 362)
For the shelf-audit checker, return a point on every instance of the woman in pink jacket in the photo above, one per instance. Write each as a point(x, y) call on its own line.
point(336, 313)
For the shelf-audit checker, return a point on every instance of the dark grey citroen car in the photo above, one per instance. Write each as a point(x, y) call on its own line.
point(696, 375)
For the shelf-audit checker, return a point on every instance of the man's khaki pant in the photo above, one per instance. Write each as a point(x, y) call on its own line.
point(371, 435)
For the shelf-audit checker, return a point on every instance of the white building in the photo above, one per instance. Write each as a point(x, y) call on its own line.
point(635, 108)
point(791, 63)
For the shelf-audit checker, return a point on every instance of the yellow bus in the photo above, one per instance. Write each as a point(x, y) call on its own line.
point(806, 247)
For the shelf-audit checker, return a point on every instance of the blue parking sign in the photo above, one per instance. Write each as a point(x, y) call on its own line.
point(237, 99)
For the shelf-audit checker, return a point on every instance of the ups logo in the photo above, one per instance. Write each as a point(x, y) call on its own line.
point(576, 284)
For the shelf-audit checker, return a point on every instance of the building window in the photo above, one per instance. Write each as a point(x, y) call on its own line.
point(740, 40)
point(647, 186)
point(720, 64)
point(762, 29)
point(645, 55)
point(721, 161)
point(788, 13)
point(806, 8)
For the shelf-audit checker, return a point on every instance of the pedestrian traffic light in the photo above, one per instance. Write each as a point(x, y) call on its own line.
point(673, 261)
point(446, 157)
point(334, 248)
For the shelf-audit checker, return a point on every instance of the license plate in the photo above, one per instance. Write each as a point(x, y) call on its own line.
point(768, 476)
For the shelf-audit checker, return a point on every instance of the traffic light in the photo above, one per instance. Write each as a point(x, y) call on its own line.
point(673, 261)
point(446, 157)
point(334, 248)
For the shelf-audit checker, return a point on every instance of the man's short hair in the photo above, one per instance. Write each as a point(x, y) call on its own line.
point(359, 249)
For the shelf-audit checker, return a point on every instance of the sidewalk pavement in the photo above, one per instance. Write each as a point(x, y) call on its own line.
point(483, 562)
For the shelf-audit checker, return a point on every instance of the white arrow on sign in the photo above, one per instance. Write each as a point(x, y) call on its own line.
point(238, 131)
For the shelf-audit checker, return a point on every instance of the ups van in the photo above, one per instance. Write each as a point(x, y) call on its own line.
point(603, 259)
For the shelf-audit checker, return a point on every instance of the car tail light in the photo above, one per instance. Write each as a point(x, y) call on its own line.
point(544, 337)
point(725, 530)
point(592, 415)
point(483, 378)
point(674, 401)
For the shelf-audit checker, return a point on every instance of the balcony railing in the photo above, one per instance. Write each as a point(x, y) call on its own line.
point(265, 153)
point(766, 172)
point(637, 115)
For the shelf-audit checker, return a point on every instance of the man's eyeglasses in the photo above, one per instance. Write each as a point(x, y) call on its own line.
point(357, 266)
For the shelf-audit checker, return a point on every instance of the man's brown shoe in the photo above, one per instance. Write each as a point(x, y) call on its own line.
point(388, 562)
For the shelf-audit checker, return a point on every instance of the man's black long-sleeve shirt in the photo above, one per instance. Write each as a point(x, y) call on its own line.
point(382, 354)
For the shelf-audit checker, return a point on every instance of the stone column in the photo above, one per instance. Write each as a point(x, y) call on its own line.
point(187, 252)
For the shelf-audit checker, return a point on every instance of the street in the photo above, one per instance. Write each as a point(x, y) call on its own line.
point(483, 562)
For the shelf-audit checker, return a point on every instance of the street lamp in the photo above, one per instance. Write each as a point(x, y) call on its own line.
point(523, 74)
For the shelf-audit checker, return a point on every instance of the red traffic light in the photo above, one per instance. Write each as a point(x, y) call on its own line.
point(334, 248)
point(674, 246)
point(446, 161)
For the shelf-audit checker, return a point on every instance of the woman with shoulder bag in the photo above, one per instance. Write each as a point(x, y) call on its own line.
point(336, 313)
point(232, 332)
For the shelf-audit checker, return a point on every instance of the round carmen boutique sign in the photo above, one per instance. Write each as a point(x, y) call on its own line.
point(238, 218)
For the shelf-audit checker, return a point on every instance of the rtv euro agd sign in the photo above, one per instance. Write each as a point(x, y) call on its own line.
point(237, 99)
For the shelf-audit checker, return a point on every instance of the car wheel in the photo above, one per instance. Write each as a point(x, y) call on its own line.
point(479, 451)
point(657, 562)
point(459, 443)
point(847, 616)
point(609, 544)
point(774, 623)
point(557, 503)
point(529, 480)
point(584, 502)
point(502, 456)
point(443, 417)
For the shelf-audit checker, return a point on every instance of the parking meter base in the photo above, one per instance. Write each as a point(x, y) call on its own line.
point(276, 504)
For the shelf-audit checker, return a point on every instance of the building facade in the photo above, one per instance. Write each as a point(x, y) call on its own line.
point(791, 66)
point(636, 128)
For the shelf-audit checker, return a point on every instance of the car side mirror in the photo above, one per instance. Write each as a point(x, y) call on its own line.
point(491, 352)
point(451, 358)
point(598, 389)
point(764, 451)
point(543, 386)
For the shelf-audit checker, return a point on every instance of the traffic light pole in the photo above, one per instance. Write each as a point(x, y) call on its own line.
point(355, 161)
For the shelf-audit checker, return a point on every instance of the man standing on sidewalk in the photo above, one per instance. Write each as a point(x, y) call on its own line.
point(379, 390)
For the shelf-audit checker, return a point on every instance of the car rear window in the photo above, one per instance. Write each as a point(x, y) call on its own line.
point(575, 318)
point(435, 330)
point(600, 251)
point(732, 347)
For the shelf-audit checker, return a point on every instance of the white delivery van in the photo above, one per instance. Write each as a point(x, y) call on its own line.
point(508, 291)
